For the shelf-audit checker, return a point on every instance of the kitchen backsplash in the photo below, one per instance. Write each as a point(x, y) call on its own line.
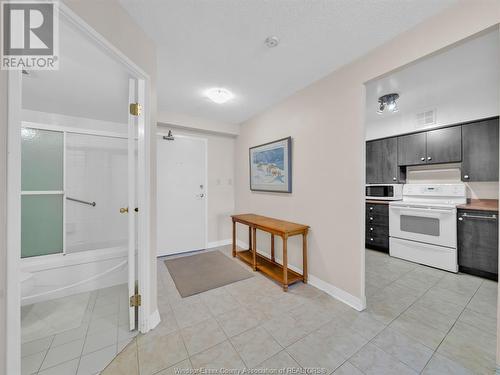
point(450, 173)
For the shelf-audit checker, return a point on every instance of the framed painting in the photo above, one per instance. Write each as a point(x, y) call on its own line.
point(271, 166)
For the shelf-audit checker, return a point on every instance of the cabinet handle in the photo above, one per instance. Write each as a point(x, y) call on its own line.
point(371, 208)
point(466, 177)
point(371, 229)
point(371, 218)
point(423, 159)
point(371, 239)
point(394, 179)
point(429, 158)
point(492, 217)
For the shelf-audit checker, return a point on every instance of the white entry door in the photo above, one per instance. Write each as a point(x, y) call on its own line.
point(181, 176)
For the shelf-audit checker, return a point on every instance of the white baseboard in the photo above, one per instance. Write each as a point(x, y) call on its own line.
point(337, 293)
point(154, 319)
point(211, 245)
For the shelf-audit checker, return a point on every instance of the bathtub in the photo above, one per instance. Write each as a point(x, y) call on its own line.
point(54, 276)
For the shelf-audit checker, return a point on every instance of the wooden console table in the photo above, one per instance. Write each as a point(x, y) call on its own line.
point(280, 273)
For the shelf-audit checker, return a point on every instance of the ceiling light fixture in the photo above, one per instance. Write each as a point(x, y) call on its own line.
point(219, 95)
point(389, 102)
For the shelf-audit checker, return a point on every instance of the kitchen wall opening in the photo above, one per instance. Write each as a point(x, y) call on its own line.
point(431, 228)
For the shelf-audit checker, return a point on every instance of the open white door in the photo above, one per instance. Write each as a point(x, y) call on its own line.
point(134, 119)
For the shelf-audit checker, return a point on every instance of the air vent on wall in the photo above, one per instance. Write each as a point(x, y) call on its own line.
point(426, 118)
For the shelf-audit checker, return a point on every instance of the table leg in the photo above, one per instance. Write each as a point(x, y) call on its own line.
point(250, 238)
point(254, 248)
point(304, 256)
point(285, 263)
point(272, 247)
point(234, 238)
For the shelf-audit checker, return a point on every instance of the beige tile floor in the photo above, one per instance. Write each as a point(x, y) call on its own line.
point(418, 320)
point(75, 335)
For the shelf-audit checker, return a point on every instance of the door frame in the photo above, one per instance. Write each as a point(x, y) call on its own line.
point(205, 141)
point(147, 319)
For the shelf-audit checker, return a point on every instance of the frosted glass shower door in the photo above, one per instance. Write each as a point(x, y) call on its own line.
point(96, 172)
point(42, 192)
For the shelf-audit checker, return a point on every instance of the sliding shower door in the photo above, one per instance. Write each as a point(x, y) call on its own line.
point(96, 189)
point(42, 195)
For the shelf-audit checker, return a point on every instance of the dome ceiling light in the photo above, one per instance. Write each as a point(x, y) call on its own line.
point(219, 95)
point(388, 102)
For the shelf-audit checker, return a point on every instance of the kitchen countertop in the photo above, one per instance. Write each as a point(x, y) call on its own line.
point(374, 201)
point(480, 204)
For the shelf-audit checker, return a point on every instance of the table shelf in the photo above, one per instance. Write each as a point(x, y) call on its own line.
point(268, 267)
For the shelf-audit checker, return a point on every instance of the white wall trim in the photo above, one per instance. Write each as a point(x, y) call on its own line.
point(356, 303)
point(213, 244)
point(154, 319)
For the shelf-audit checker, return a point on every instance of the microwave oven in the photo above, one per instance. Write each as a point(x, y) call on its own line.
point(386, 192)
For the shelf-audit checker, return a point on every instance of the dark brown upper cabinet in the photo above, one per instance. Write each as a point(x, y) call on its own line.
point(432, 147)
point(444, 145)
point(412, 149)
point(382, 161)
point(480, 151)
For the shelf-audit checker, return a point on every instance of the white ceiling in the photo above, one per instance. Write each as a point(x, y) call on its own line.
point(202, 44)
point(88, 83)
point(459, 83)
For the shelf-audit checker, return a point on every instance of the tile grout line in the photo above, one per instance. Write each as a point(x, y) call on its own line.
point(388, 324)
point(453, 325)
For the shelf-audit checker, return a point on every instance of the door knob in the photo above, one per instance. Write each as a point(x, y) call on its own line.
point(124, 210)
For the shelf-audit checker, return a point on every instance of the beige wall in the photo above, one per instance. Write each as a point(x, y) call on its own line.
point(220, 171)
point(326, 123)
point(110, 20)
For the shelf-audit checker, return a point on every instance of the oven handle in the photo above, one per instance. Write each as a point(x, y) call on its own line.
point(429, 210)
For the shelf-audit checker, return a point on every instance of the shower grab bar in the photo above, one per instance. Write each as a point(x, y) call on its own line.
point(80, 201)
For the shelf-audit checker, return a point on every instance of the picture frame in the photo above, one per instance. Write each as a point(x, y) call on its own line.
point(271, 166)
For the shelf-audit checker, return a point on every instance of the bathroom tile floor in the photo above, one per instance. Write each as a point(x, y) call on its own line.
point(75, 335)
point(418, 320)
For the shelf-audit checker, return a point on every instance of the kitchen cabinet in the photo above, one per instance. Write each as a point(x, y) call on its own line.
point(478, 243)
point(412, 149)
point(431, 147)
point(444, 145)
point(377, 226)
point(480, 151)
point(381, 161)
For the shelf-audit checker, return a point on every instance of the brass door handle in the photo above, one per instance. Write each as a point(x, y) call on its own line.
point(124, 210)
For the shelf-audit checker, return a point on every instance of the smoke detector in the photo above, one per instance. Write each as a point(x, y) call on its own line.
point(272, 41)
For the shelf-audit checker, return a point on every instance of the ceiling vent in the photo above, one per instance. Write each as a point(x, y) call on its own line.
point(426, 118)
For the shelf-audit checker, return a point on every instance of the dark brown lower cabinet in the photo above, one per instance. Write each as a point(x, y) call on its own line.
point(377, 226)
point(478, 243)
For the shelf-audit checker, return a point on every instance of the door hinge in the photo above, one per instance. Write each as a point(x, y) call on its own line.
point(135, 300)
point(135, 109)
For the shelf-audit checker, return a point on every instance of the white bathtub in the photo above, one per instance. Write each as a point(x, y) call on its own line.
point(54, 276)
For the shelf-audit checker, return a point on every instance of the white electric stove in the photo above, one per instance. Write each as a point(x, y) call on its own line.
point(423, 226)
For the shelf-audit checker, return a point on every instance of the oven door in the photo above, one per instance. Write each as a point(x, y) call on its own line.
point(436, 226)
